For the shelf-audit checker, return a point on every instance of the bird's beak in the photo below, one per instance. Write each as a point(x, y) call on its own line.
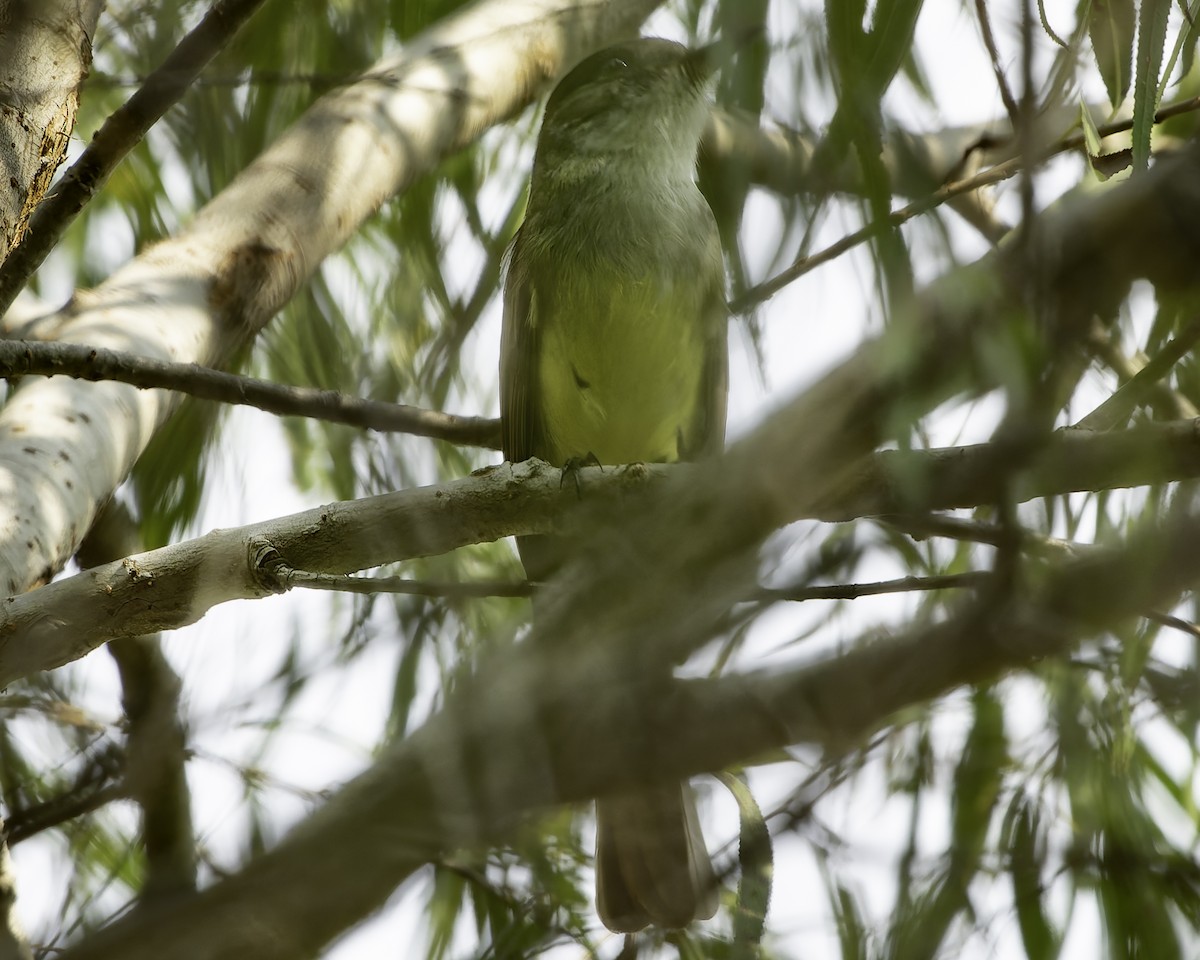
point(702, 62)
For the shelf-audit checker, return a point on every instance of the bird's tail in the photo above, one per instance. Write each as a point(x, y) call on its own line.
point(651, 862)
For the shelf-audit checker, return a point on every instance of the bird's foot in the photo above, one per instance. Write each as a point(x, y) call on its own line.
point(572, 467)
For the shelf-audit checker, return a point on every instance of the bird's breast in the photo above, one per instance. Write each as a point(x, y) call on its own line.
point(620, 365)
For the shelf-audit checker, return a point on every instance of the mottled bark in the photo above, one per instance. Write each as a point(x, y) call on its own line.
point(45, 52)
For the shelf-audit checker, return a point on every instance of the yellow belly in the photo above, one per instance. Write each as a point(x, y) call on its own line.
point(620, 369)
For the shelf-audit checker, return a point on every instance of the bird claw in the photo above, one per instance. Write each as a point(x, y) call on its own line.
point(572, 467)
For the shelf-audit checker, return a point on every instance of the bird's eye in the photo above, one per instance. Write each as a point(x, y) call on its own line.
point(615, 65)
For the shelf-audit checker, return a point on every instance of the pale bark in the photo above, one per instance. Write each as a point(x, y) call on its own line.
point(45, 52)
point(116, 137)
point(174, 586)
point(65, 446)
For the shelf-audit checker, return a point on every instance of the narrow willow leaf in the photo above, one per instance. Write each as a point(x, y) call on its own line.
point(1091, 135)
point(852, 932)
point(1152, 38)
point(756, 860)
point(1111, 26)
point(1026, 858)
point(977, 783)
point(892, 28)
point(1049, 30)
point(1185, 42)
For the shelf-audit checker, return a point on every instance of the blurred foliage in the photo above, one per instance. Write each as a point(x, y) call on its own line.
point(1034, 809)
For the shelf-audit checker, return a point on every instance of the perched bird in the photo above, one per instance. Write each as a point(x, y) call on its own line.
point(614, 348)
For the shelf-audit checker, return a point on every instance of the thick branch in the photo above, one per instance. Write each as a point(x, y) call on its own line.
point(120, 134)
point(912, 481)
point(45, 52)
point(176, 585)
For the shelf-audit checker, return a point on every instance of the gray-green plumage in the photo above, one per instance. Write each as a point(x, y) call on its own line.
point(614, 347)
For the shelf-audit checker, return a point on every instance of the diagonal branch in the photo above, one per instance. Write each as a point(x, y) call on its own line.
point(118, 135)
point(45, 51)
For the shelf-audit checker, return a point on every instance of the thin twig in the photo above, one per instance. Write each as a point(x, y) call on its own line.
point(21, 357)
point(989, 42)
point(290, 577)
point(119, 134)
point(970, 579)
point(98, 784)
point(1136, 390)
point(768, 288)
point(453, 589)
point(976, 531)
point(1177, 623)
point(1002, 171)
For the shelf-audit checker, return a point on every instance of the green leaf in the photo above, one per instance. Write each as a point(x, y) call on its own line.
point(853, 935)
point(1111, 26)
point(1152, 38)
point(1026, 857)
point(892, 28)
point(756, 860)
point(1091, 135)
point(977, 783)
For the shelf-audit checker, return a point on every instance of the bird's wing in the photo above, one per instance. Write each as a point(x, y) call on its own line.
point(714, 384)
point(518, 352)
point(708, 430)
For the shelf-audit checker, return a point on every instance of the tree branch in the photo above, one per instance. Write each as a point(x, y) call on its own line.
point(967, 580)
point(45, 52)
point(96, 786)
point(118, 135)
point(176, 585)
point(927, 167)
point(23, 357)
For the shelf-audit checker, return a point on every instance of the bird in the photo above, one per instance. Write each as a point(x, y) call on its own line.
point(614, 349)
